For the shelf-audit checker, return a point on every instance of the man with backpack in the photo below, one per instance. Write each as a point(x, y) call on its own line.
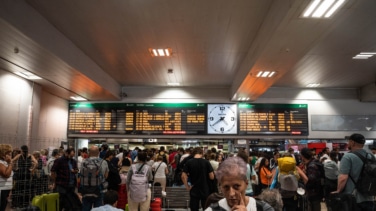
point(351, 173)
point(138, 177)
point(93, 174)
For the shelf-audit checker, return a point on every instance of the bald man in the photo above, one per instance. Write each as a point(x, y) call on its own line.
point(93, 198)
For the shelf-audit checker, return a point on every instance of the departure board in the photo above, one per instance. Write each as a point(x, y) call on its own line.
point(137, 118)
point(273, 119)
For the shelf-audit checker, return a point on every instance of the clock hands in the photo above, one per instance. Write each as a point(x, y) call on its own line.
point(219, 120)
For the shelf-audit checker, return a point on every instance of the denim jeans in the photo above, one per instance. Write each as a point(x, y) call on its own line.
point(88, 202)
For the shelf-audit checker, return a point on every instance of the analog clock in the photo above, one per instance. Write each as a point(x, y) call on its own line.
point(222, 119)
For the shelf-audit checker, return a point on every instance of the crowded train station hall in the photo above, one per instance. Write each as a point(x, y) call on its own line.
point(188, 105)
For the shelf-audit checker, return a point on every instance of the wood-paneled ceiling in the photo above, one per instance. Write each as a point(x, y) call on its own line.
point(96, 49)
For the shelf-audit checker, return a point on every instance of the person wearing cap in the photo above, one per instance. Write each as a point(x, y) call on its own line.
point(351, 166)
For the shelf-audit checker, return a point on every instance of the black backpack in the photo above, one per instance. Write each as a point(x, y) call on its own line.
point(366, 183)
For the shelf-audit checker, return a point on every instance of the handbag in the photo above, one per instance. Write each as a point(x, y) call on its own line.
point(156, 170)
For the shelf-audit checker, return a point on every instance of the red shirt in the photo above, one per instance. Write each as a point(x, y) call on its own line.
point(171, 159)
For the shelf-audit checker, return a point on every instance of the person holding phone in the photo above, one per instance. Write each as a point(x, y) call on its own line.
point(6, 173)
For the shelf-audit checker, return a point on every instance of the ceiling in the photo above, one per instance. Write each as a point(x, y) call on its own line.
point(99, 50)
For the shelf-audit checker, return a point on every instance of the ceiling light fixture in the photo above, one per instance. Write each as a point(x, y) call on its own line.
point(320, 8)
point(364, 55)
point(78, 98)
point(313, 85)
point(160, 52)
point(173, 84)
point(265, 74)
point(28, 75)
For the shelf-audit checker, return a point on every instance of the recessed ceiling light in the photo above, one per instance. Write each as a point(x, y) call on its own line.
point(313, 85)
point(78, 98)
point(265, 74)
point(28, 75)
point(173, 84)
point(160, 52)
point(322, 8)
point(364, 55)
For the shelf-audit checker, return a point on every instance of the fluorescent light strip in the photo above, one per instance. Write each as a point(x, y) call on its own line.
point(311, 7)
point(78, 98)
point(334, 8)
point(167, 52)
point(161, 52)
point(367, 53)
point(173, 84)
point(155, 52)
point(28, 75)
point(265, 74)
point(271, 74)
point(313, 85)
point(356, 57)
point(364, 55)
point(322, 8)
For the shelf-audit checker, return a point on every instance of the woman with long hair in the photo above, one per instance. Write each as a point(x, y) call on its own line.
point(6, 173)
point(125, 162)
point(265, 174)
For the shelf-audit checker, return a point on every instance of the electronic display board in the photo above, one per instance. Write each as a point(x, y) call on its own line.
point(188, 119)
point(273, 119)
point(137, 118)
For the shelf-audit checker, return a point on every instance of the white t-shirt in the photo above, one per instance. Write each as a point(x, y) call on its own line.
point(251, 206)
point(120, 155)
point(161, 170)
point(6, 183)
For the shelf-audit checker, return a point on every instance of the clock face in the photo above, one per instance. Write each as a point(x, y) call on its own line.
point(222, 119)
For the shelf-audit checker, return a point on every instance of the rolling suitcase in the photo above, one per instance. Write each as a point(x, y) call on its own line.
point(156, 204)
point(51, 202)
point(39, 201)
point(122, 196)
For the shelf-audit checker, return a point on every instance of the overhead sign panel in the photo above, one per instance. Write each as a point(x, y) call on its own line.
point(188, 119)
point(273, 119)
point(137, 118)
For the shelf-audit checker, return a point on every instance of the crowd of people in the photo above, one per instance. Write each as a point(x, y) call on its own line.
point(280, 180)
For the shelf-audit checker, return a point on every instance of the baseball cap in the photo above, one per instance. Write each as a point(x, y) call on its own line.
point(358, 138)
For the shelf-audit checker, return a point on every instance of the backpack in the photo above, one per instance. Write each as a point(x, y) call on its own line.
point(91, 178)
point(286, 164)
point(139, 183)
point(164, 158)
point(366, 183)
point(288, 185)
